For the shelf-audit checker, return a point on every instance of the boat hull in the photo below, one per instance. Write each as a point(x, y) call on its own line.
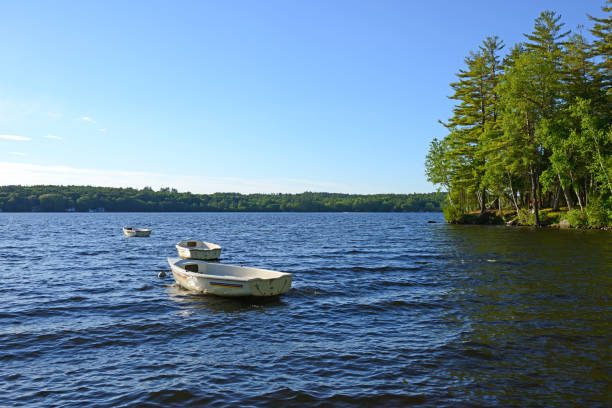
point(227, 285)
point(202, 254)
point(133, 232)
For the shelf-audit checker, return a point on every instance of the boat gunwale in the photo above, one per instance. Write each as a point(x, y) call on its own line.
point(213, 246)
point(223, 277)
point(132, 229)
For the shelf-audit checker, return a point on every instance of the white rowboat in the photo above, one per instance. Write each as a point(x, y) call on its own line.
point(198, 250)
point(136, 232)
point(228, 280)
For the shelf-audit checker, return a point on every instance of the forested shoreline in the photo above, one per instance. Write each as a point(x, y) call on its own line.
point(48, 198)
point(532, 129)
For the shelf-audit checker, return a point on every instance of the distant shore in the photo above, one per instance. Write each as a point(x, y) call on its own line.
point(52, 198)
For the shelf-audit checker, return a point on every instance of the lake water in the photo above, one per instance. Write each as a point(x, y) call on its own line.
point(385, 310)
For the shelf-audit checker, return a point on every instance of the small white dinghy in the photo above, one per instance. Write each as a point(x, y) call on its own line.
point(228, 280)
point(136, 232)
point(198, 250)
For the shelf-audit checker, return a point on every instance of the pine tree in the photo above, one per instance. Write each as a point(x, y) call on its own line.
point(531, 92)
point(542, 65)
point(476, 112)
point(601, 49)
point(565, 158)
point(525, 101)
point(547, 35)
point(577, 70)
point(532, 127)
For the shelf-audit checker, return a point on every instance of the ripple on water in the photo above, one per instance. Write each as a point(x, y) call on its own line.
point(385, 310)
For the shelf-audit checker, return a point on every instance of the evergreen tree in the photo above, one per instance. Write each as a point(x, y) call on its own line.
point(601, 49)
point(547, 35)
point(474, 115)
point(525, 102)
point(533, 130)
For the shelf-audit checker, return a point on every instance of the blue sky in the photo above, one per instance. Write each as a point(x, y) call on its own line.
point(244, 96)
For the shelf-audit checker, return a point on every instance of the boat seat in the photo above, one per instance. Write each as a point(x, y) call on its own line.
point(192, 243)
point(191, 267)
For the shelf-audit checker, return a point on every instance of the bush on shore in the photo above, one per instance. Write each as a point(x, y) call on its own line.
point(597, 215)
point(453, 215)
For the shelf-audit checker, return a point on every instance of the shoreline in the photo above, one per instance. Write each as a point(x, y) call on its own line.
point(220, 212)
point(550, 219)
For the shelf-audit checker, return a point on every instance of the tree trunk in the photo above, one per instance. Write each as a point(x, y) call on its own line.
point(555, 205)
point(568, 199)
point(483, 206)
point(534, 195)
point(481, 201)
point(448, 193)
point(513, 192)
point(540, 202)
point(576, 191)
point(600, 161)
point(579, 200)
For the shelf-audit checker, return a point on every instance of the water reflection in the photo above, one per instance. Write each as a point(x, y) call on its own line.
point(527, 319)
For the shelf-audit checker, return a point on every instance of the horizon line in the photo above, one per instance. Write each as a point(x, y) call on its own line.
point(161, 189)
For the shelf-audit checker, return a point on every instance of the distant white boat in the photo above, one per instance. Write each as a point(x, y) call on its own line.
point(228, 280)
point(136, 232)
point(198, 250)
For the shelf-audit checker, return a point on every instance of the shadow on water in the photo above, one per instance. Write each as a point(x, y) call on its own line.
point(523, 306)
point(218, 304)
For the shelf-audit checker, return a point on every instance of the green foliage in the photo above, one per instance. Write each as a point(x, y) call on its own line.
point(598, 213)
point(84, 198)
point(457, 163)
point(533, 131)
point(602, 48)
point(551, 217)
point(452, 214)
point(525, 217)
point(547, 35)
point(577, 218)
point(436, 165)
point(52, 202)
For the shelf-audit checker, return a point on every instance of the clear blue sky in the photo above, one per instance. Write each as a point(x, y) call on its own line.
point(247, 96)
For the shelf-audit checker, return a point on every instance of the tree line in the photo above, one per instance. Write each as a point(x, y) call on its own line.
point(532, 128)
point(48, 198)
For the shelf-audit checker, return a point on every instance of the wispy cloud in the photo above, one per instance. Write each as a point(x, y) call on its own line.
point(102, 130)
point(14, 137)
point(53, 137)
point(88, 119)
point(18, 154)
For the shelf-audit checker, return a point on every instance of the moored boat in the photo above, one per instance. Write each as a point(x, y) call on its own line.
point(198, 250)
point(228, 280)
point(136, 232)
